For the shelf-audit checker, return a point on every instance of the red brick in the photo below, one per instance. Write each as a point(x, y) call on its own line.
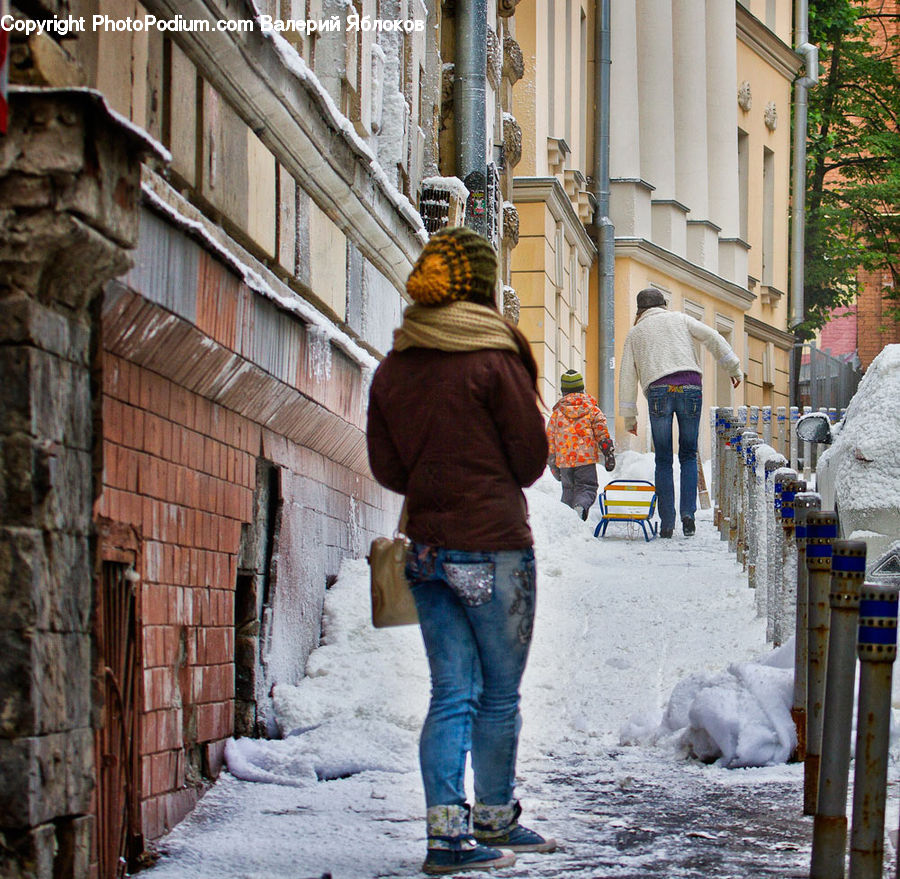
point(112, 413)
point(146, 775)
point(149, 733)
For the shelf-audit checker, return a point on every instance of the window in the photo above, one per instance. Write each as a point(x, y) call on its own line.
point(698, 312)
point(725, 326)
point(743, 181)
point(768, 229)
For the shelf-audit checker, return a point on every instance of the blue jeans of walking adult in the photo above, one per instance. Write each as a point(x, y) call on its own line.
point(684, 402)
point(476, 611)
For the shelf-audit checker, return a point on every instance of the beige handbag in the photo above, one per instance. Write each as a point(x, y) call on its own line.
point(392, 599)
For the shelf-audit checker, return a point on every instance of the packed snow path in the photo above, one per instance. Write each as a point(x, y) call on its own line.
point(620, 623)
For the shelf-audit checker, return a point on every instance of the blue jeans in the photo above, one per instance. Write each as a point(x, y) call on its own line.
point(476, 611)
point(685, 404)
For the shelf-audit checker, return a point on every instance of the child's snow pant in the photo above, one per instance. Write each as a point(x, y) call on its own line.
point(579, 485)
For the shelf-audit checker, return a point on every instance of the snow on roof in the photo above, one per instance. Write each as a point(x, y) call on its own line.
point(453, 185)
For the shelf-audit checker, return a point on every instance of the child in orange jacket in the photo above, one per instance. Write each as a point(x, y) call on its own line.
point(578, 438)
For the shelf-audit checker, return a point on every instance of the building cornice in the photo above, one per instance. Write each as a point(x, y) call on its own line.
point(549, 191)
point(765, 43)
point(767, 333)
point(283, 107)
point(653, 256)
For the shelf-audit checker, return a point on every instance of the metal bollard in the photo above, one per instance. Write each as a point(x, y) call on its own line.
point(848, 570)
point(821, 530)
point(790, 489)
point(794, 417)
point(751, 516)
point(782, 478)
point(781, 423)
point(807, 451)
point(723, 426)
point(768, 525)
point(713, 457)
point(753, 421)
point(877, 646)
point(748, 437)
point(804, 502)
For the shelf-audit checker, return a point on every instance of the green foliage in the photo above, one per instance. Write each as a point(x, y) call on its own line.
point(853, 155)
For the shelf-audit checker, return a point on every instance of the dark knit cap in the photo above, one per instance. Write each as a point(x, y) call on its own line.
point(650, 298)
point(456, 263)
point(571, 382)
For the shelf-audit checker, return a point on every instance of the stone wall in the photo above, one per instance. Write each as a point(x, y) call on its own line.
point(69, 178)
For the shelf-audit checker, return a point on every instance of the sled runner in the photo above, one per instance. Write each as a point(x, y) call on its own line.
point(627, 500)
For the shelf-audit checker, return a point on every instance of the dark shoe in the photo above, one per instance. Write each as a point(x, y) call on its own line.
point(518, 839)
point(453, 849)
point(471, 856)
point(499, 825)
point(688, 526)
point(665, 533)
point(581, 512)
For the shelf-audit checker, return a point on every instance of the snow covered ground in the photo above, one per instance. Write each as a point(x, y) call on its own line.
point(620, 624)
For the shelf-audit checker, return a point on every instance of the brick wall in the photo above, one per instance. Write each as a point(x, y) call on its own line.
point(875, 328)
point(203, 381)
point(180, 470)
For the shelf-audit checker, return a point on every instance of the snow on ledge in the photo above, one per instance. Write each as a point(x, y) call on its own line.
point(152, 145)
point(291, 59)
point(323, 327)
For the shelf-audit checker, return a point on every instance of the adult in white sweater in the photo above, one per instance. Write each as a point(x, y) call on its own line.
point(659, 356)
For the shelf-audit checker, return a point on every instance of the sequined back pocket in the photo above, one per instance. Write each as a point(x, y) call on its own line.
point(473, 582)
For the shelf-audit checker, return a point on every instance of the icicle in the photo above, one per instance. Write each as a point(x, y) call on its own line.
point(318, 356)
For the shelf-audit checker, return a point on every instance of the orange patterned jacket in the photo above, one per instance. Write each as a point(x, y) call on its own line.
point(576, 431)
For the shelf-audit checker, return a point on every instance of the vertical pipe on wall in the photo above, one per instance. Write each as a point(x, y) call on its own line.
point(810, 57)
point(470, 89)
point(604, 232)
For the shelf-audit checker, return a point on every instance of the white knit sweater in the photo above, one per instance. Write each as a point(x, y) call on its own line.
point(661, 343)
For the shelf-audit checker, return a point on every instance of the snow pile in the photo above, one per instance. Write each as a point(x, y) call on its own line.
point(738, 718)
point(866, 447)
point(325, 751)
point(587, 673)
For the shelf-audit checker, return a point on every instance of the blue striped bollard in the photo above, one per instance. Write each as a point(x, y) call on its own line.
point(848, 570)
point(784, 477)
point(877, 649)
point(804, 502)
point(821, 530)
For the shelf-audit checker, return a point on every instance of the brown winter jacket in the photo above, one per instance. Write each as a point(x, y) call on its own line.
point(460, 434)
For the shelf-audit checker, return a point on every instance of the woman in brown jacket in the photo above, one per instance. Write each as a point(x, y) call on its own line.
point(454, 425)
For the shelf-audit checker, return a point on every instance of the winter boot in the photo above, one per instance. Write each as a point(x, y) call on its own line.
point(688, 526)
point(581, 512)
point(666, 532)
point(499, 825)
point(452, 848)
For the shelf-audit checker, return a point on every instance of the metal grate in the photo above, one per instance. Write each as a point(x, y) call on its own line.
point(117, 834)
point(492, 204)
point(439, 208)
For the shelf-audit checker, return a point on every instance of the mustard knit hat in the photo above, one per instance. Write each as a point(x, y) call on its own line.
point(456, 263)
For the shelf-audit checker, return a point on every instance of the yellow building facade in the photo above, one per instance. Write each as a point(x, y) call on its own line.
point(699, 190)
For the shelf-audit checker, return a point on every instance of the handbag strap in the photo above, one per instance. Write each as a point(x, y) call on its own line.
point(404, 518)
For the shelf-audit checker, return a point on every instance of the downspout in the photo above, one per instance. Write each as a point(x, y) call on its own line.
point(603, 229)
point(469, 101)
point(810, 56)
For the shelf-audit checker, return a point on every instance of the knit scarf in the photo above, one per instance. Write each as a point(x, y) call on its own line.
point(456, 326)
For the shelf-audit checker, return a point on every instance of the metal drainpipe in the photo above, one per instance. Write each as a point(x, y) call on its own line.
point(604, 231)
point(810, 55)
point(470, 89)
